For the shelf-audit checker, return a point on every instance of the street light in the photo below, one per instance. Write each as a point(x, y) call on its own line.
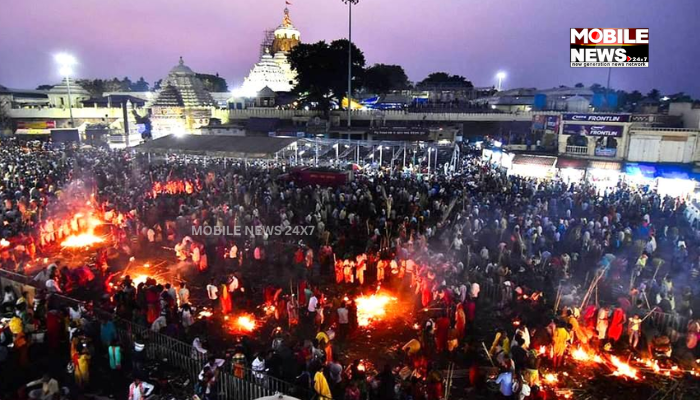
point(501, 76)
point(65, 68)
point(350, 3)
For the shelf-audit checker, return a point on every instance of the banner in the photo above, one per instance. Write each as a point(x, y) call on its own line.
point(538, 122)
point(593, 130)
point(400, 133)
point(552, 123)
point(597, 117)
point(36, 124)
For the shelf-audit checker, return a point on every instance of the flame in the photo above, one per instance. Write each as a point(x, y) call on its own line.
point(175, 187)
point(580, 354)
point(245, 323)
point(81, 240)
point(622, 368)
point(269, 310)
point(543, 349)
point(551, 379)
point(372, 308)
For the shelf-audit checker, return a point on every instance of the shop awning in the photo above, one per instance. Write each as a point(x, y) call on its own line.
point(542, 161)
point(637, 170)
point(574, 163)
point(605, 165)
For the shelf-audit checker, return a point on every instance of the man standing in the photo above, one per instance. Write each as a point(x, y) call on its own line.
point(232, 288)
point(343, 322)
point(183, 294)
point(213, 293)
point(313, 304)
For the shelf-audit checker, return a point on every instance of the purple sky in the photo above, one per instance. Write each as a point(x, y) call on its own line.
point(526, 38)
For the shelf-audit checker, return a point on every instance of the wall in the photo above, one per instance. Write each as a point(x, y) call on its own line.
point(389, 115)
point(663, 145)
point(689, 115)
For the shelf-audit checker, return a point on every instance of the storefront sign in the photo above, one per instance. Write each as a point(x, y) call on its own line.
point(605, 152)
point(36, 124)
point(597, 117)
point(593, 130)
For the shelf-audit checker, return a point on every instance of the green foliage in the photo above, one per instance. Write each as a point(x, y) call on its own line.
point(382, 78)
point(445, 79)
point(213, 83)
point(322, 71)
point(97, 87)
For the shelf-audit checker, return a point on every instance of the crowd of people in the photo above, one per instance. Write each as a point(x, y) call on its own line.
point(480, 255)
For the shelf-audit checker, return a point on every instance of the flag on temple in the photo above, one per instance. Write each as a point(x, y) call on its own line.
point(289, 3)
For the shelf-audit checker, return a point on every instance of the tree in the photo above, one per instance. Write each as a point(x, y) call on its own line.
point(113, 85)
point(5, 120)
point(140, 86)
point(96, 87)
point(125, 84)
point(654, 94)
point(578, 85)
point(598, 88)
point(445, 79)
point(213, 83)
point(44, 87)
point(381, 78)
point(156, 84)
point(322, 71)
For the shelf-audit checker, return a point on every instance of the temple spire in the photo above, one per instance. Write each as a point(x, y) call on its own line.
point(286, 22)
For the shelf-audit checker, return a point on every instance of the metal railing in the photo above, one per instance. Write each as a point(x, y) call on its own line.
point(577, 149)
point(245, 384)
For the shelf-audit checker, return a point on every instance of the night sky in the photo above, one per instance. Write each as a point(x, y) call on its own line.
point(526, 38)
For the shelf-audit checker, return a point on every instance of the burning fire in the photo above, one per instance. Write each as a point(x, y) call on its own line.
point(372, 308)
point(245, 323)
point(175, 187)
point(81, 240)
point(618, 367)
point(551, 379)
point(581, 355)
point(623, 369)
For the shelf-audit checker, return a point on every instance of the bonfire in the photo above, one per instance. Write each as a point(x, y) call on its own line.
point(372, 308)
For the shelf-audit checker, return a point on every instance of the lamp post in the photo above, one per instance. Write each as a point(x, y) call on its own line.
point(350, 3)
point(429, 151)
point(65, 64)
point(501, 76)
point(337, 162)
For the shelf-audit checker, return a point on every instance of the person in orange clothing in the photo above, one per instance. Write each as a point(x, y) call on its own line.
point(225, 300)
point(460, 321)
point(559, 342)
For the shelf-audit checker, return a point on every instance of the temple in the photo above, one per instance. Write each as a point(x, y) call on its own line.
point(182, 104)
point(182, 88)
point(274, 70)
